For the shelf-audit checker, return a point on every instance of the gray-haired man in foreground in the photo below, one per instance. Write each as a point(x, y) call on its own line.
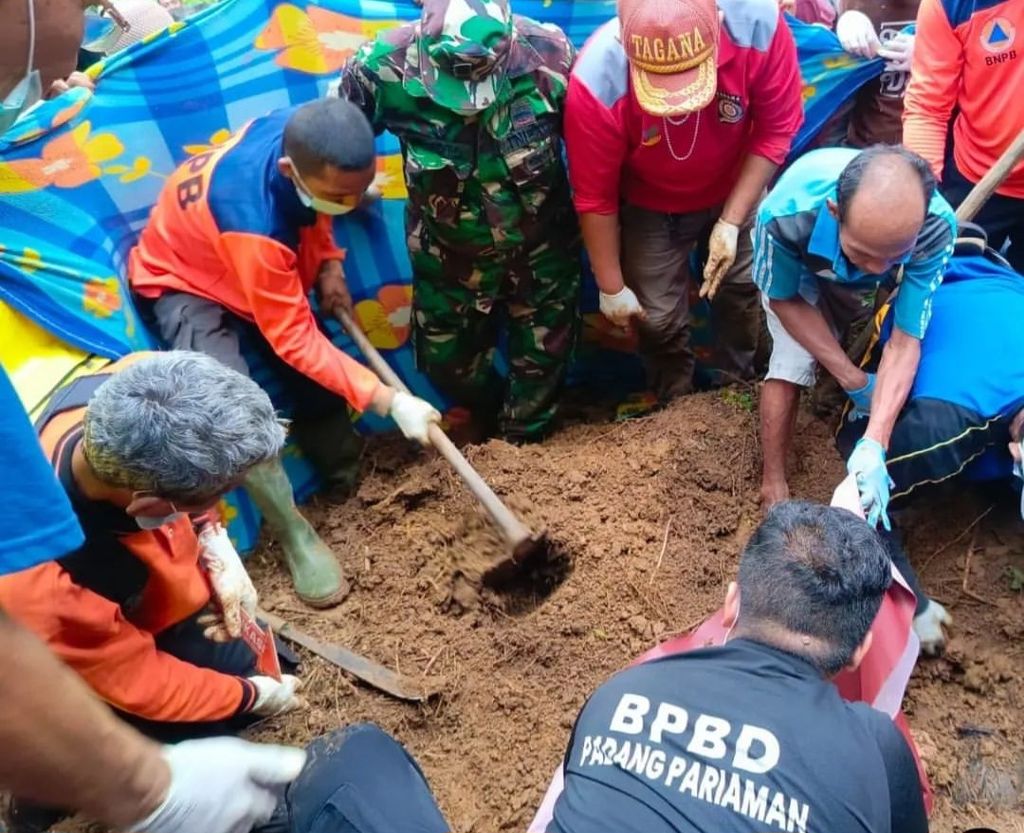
point(142, 457)
point(60, 743)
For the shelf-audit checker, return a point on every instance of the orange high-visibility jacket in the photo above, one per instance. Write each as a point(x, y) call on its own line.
point(100, 609)
point(230, 227)
point(967, 57)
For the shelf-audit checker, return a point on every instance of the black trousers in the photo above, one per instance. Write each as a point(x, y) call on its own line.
point(1002, 217)
point(186, 642)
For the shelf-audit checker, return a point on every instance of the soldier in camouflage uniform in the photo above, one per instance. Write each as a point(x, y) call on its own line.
point(475, 96)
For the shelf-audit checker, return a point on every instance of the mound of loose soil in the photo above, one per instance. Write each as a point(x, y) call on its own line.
point(645, 522)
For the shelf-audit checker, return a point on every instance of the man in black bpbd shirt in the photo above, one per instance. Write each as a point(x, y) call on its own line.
point(751, 737)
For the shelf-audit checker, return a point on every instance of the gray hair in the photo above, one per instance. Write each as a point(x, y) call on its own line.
point(180, 425)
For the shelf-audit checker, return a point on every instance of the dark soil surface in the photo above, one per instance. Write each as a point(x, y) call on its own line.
point(645, 522)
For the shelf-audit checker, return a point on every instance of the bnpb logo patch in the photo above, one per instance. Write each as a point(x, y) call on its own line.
point(998, 35)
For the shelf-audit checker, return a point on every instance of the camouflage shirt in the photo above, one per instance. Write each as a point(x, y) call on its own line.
point(487, 182)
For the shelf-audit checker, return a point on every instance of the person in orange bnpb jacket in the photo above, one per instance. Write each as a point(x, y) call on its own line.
point(144, 450)
point(968, 70)
point(237, 240)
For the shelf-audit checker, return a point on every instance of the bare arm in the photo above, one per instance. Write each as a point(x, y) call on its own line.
point(895, 377)
point(807, 325)
point(755, 175)
point(63, 747)
point(601, 237)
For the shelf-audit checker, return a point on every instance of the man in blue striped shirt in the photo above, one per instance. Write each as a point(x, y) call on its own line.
point(839, 223)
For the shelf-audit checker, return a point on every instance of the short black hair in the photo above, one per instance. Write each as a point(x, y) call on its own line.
point(329, 131)
point(850, 177)
point(817, 571)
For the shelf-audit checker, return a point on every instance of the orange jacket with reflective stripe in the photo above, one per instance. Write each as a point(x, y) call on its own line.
point(967, 56)
point(230, 227)
point(100, 609)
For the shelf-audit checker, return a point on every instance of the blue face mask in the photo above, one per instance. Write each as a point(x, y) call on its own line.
point(21, 98)
point(29, 89)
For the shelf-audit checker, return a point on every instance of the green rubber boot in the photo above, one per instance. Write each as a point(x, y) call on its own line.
point(316, 573)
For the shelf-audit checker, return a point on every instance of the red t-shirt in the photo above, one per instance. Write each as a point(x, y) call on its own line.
point(618, 153)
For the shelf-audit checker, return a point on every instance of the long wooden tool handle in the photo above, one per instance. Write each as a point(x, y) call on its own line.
point(987, 185)
point(512, 529)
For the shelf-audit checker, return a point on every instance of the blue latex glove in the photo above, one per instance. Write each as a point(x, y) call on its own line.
point(867, 465)
point(861, 398)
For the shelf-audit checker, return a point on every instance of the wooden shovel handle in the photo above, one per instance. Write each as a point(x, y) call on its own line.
point(513, 530)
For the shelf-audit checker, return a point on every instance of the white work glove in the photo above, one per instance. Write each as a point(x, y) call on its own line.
point(857, 34)
point(721, 256)
point(621, 307)
point(413, 416)
point(231, 585)
point(275, 697)
point(928, 627)
point(222, 785)
point(898, 53)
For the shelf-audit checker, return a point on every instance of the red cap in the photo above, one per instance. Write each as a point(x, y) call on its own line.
point(672, 47)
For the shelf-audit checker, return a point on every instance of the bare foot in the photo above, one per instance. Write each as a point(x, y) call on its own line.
point(772, 493)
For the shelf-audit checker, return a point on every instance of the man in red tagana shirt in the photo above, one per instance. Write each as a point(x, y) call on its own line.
point(678, 114)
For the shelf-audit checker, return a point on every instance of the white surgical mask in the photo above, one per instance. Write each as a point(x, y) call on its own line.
point(318, 204)
point(29, 90)
point(145, 522)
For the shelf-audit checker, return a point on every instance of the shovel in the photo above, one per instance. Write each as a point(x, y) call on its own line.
point(521, 541)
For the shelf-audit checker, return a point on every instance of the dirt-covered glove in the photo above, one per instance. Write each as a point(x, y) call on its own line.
point(414, 416)
point(232, 588)
point(898, 52)
point(928, 625)
point(275, 697)
point(621, 307)
point(721, 256)
point(857, 34)
point(867, 465)
point(222, 785)
point(861, 398)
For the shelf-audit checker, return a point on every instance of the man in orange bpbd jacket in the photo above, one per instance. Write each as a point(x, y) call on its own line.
point(239, 237)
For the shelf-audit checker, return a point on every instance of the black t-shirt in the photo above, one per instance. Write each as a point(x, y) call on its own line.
point(741, 738)
point(103, 564)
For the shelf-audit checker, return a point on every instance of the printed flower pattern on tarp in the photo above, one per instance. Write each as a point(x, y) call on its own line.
point(390, 179)
point(102, 296)
point(316, 41)
point(387, 319)
point(216, 139)
point(68, 161)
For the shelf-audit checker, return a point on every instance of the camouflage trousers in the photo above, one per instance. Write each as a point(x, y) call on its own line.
point(460, 302)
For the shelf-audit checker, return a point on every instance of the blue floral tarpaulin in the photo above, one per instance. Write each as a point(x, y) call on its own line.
point(79, 174)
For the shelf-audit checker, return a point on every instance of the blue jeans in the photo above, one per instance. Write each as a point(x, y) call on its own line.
point(358, 780)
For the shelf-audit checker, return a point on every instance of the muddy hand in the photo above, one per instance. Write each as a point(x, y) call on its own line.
point(274, 697)
point(721, 256)
point(232, 588)
point(622, 307)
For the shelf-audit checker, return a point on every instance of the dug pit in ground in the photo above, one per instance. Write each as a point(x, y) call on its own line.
point(651, 514)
